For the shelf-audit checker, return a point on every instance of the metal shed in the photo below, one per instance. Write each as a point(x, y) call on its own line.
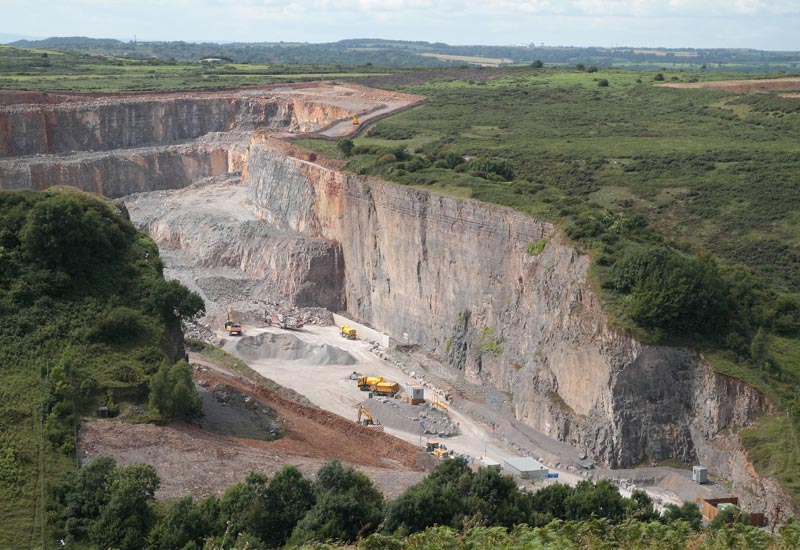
point(700, 474)
point(526, 468)
point(416, 394)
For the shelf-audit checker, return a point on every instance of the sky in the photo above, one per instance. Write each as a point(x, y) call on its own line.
point(760, 24)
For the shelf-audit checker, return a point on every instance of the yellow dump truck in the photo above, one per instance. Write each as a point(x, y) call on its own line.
point(385, 388)
point(365, 383)
point(348, 332)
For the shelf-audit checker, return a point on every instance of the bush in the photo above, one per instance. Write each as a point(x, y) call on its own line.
point(602, 83)
point(172, 392)
point(347, 506)
point(346, 145)
point(537, 247)
point(671, 291)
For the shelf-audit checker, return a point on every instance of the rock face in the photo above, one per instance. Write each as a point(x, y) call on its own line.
point(455, 277)
point(105, 124)
point(118, 173)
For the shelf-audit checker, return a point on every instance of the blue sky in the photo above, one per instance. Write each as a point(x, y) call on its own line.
point(762, 24)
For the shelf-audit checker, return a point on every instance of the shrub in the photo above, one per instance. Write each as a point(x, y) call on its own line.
point(172, 392)
point(537, 247)
point(671, 291)
point(346, 146)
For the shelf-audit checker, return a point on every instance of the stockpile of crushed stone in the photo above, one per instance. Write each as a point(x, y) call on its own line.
point(288, 347)
point(400, 415)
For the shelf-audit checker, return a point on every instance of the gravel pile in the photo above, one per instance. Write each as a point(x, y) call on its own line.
point(400, 415)
point(289, 347)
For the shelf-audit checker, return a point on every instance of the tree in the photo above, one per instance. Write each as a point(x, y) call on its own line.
point(128, 516)
point(580, 67)
point(499, 500)
point(346, 146)
point(172, 392)
point(659, 77)
point(595, 500)
point(671, 291)
point(537, 64)
point(180, 524)
point(82, 495)
point(347, 505)
point(288, 498)
point(688, 512)
point(445, 497)
point(171, 300)
point(73, 232)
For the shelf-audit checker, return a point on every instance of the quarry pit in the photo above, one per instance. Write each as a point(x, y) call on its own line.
point(519, 343)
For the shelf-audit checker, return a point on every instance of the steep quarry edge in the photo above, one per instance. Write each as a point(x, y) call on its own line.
point(455, 277)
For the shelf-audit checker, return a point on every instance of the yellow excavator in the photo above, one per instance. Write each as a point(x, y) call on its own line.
point(355, 121)
point(368, 420)
point(233, 328)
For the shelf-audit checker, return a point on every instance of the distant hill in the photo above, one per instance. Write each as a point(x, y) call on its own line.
point(398, 53)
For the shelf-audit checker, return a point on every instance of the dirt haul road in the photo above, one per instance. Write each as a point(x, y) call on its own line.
point(327, 384)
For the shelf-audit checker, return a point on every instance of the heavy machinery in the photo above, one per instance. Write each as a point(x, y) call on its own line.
point(368, 421)
point(355, 121)
point(233, 328)
point(385, 388)
point(365, 383)
point(348, 332)
point(274, 316)
point(439, 450)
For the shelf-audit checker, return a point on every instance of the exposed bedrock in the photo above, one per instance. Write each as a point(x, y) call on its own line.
point(133, 121)
point(455, 277)
point(198, 223)
point(118, 173)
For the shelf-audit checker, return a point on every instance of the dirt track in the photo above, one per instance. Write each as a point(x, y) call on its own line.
point(742, 86)
point(190, 460)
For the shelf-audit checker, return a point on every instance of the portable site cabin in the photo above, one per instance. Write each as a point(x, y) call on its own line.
point(416, 394)
point(487, 462)
point(699, 474)
point(526, 468)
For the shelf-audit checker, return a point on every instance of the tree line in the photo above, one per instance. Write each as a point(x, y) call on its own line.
point(112, 506)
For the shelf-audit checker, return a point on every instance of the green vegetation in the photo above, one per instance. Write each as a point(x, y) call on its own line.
point(537, 247)
point(86, 319)
point(72, 71)
point(400, 53)
point(107, 505)
point(490, 343)
point(685, 199)
point(172, 392)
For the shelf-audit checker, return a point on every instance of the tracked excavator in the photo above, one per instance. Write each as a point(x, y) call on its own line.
point(233, 328)
point(368, 419)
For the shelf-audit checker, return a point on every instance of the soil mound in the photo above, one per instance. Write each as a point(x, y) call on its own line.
point(291, 348)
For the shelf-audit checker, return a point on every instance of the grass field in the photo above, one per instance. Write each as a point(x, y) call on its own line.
point(488, 61)
point(69, 71)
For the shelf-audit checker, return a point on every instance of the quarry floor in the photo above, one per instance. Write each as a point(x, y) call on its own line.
point(317, 363)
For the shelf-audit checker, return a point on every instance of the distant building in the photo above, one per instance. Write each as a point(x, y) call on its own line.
point(526, 468)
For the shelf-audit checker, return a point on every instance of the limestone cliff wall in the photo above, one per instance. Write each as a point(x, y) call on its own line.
point(118, 173)
point(106, 124)
point(455, 277)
